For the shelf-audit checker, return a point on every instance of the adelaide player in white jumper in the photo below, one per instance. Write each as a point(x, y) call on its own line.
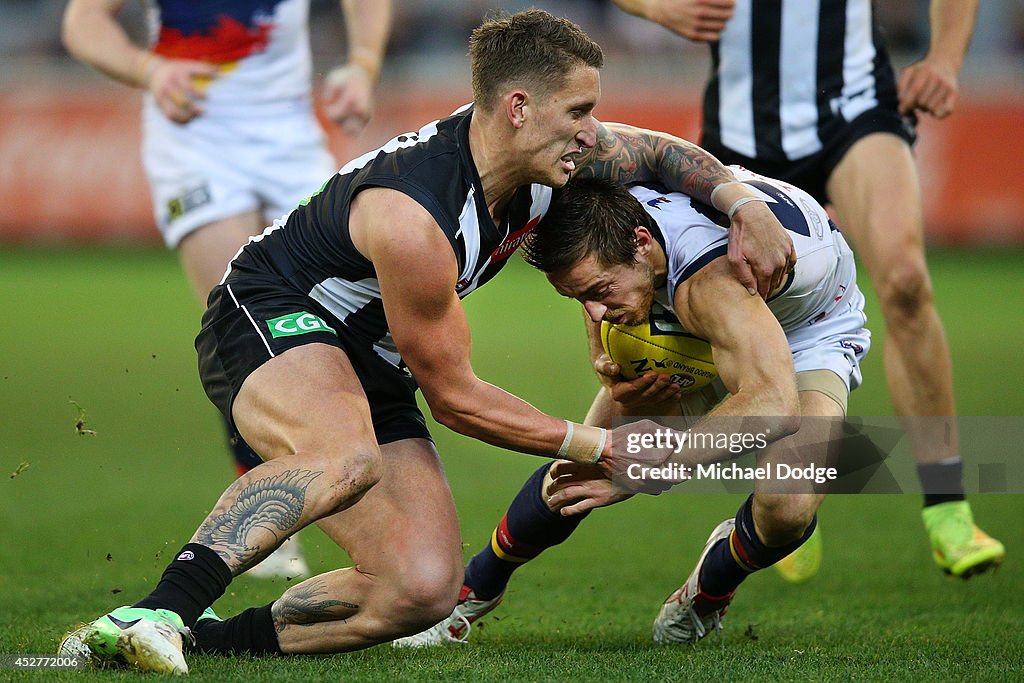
point(643, 255)
point(230, 138)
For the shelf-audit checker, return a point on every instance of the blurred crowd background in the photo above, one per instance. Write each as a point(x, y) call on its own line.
point(427, 31)
point(64, 124)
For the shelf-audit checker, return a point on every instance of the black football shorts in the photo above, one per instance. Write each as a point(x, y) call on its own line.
point(811, 173)
point(250, 320)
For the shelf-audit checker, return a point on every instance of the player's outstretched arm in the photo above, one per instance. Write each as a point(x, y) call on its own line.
point(760, 251)
point(417, 272)
point(92, 34)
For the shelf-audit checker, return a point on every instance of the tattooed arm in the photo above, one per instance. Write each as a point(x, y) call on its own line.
point(760, 250)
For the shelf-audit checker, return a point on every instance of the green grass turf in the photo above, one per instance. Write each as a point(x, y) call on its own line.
point(93, 520)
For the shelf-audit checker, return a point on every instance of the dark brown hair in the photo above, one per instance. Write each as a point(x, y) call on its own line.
point(587, 216)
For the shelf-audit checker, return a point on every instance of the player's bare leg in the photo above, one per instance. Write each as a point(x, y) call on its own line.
point(306, 412)
point(206, 252)
point(403, 538)
point(876, 194)
point(204, 255)
point(770, 525)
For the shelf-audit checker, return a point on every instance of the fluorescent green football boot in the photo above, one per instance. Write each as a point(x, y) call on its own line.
point(959, 547)
point(149, 640)
point(208, 613)
point(802, 564)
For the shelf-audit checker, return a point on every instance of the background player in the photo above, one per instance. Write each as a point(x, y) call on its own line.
point(230, 139)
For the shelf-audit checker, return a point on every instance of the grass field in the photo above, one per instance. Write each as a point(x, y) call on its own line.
point(88, 521)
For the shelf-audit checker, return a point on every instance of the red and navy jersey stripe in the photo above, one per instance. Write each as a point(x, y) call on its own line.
point(216, 31)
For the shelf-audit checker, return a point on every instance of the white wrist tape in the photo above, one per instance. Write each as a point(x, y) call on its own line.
point(600, 445)
point(719, 189)
point(585, 444)
point(733, 195)
point(563, 450)
point(740, 202)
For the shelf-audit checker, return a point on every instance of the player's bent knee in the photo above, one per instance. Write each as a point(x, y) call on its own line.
point(429, 585)
point(420, 601)
point(423, 610)
point(783, 519)
point(905, 289)
point(355, 472)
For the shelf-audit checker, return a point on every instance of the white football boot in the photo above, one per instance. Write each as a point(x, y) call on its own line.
point(678, 621)
point(287, 562)
point(454, 629)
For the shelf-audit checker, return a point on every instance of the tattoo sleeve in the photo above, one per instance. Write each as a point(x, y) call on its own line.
point(627, 154)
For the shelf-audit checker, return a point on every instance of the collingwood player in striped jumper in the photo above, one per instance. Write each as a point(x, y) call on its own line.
point(803, 90)
point(320, 332)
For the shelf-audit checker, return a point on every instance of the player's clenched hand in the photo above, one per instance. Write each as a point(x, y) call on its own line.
point(761, 252)
point(698, 20)
point(576, 488)
point(929, 85)
point(641, 396)
point(179, 86)
point(348, 97)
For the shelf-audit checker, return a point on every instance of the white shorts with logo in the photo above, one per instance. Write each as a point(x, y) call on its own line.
point(838, 342)
point(232, 161)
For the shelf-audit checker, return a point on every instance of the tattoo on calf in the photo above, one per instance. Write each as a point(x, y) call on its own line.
point(273, 504)
point(308, 604)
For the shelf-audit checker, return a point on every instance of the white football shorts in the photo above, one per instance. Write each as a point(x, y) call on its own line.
point(225, 163)
point(838, 342)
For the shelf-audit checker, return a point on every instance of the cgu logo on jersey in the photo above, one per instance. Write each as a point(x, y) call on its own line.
point(513, 240)
point(653, 203)
point(302, 322)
